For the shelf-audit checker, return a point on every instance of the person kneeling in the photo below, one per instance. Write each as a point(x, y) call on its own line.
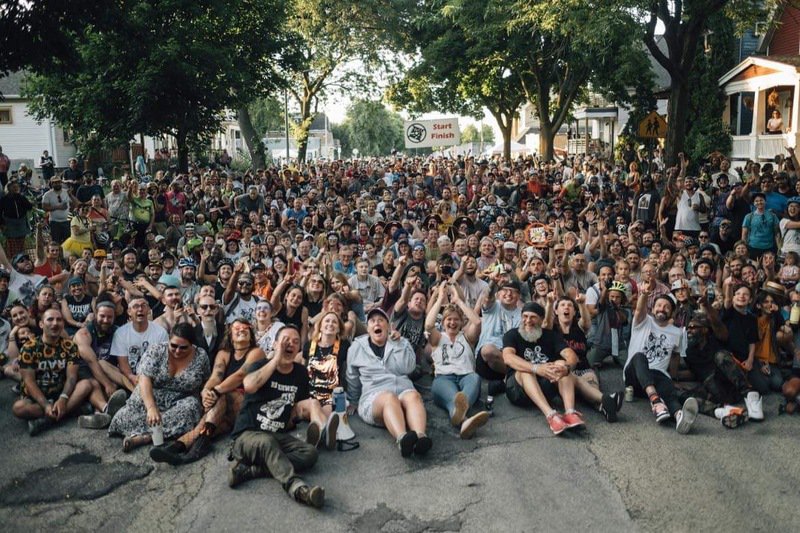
point(263, 445)
point(377, 381)
point(540, 368)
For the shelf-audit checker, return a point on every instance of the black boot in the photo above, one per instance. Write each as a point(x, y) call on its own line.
point(172, 453)
point(199, 449)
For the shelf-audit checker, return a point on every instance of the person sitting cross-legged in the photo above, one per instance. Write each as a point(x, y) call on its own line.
point(540, 366)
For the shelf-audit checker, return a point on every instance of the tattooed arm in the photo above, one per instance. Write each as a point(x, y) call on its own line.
point(255, 380)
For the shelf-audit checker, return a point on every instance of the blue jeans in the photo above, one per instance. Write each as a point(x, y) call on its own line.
point(446, 386)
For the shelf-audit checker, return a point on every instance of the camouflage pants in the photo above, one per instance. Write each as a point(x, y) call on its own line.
point(726, 385)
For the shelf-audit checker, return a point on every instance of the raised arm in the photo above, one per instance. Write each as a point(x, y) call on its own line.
point(433, 313)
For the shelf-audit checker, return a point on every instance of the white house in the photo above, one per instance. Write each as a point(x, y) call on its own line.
point(23, 138)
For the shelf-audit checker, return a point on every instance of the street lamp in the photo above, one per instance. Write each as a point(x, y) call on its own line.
point(355, 153)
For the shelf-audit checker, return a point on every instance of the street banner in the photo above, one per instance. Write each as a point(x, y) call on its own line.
point(431, 133)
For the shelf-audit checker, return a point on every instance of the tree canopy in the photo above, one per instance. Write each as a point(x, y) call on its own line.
point(372, 129)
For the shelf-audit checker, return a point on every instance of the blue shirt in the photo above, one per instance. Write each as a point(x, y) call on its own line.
point(761, 229)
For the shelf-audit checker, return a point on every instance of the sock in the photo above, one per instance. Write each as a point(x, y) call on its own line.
point(568, 411)
point(655, 398)
point(551, 413)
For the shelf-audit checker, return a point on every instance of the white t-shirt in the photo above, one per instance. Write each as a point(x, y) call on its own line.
point(791, 237)
point(130, 343)
point(25, 285)
point(51, 198)
point(241, 308)
point(656, 343)
point(687, 218)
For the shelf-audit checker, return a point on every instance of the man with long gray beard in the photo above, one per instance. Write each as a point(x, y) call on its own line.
point(540, 366)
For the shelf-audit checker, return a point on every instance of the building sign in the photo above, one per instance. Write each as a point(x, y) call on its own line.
point(432, 133)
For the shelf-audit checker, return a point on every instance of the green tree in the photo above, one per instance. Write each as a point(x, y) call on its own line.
point(684, 25)
point(342, 133)
point(267, 114)
point(157, 75)
point(373, 129)
point(705, 130)
point(457, 68)
point(338, 49)
point(471, 134)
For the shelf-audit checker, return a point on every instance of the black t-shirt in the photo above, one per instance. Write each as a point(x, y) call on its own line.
point(742, 332)
point(701, 360)
point(547, 349)
point(270, 408)
point(576, 339)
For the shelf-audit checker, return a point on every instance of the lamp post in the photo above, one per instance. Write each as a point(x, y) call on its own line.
point(286, 120)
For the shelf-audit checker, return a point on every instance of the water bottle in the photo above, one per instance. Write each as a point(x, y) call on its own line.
point(339, 402)
point(794, 316)
point(158, 434)
point(628, 393)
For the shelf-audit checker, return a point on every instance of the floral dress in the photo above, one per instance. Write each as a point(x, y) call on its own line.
point(177, 397)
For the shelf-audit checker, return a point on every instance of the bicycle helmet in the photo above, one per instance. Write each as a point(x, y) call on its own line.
point(186, 262)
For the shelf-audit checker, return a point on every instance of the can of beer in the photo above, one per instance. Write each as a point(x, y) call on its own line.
point(158, 434)
point(629, 394)
point(339, 402)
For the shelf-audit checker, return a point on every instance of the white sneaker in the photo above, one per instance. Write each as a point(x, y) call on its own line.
point(754, 408)
point(686, 416)
point(722, 412)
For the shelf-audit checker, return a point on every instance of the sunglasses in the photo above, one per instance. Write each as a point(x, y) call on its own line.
point(245, 283)
point(179, 347)
point(206, 307)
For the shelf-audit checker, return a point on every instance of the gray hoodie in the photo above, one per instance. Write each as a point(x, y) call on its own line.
point(367, 374)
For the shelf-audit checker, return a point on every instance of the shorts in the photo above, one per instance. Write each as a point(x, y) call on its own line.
point(365, 405)
point(84, 372)
point(484, 370)
point(516, 393)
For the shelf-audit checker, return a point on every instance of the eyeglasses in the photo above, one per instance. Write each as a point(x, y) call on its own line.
point(263, 308)
point(179, 347)
point(245, 283)
point(206, 307)
point(704, 236)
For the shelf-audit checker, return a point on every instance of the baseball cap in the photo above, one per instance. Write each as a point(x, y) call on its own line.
point(74, 281)
point(533, 307)
point(22, 256)
point(514, 285)
point(170, 281)
point(377, 311)
point(99, 253)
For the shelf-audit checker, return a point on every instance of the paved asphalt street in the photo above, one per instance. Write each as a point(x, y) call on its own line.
point(513, 476)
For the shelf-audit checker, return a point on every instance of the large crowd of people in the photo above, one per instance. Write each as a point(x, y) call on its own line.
point(173, 309)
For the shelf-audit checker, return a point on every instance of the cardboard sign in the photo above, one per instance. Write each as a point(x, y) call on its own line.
point(431, 133)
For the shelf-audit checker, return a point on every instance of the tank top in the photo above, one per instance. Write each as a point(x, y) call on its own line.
point(453, 357)
point(80, 310)
point(295, 320)
point(101, 345)
point(234, 365)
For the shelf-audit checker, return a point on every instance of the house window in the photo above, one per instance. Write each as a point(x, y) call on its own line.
point(779, 109)
point(741, 106)
point(67, 136)
point(5, 115)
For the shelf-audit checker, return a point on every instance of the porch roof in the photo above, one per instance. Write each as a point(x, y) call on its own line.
point(755, 66)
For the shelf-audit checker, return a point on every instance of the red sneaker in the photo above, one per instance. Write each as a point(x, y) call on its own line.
point(557, 424)
point(573, 420)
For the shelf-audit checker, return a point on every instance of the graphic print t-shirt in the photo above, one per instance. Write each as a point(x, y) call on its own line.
point(657, 343)
point(132, 344)
point(49, 364)
point(547, 349)
point(270, 408)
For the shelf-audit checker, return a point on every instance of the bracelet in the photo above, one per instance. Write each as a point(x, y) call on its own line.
point(534, 368)
point(216, 392)
point(64, 396)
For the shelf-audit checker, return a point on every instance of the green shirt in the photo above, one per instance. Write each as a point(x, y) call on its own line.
point(142, 209)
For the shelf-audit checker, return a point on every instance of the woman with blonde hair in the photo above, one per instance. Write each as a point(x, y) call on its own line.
point(325, 355)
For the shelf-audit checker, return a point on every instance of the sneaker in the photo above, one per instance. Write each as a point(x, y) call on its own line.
point(721, 412)
point(686, 416)
point(735, 417)
point(116, 402)
point(461, 405)
point(311, 496)
point(489, 404)
point(423, 445)
point(240, 472)
point(95, 421)
point(199, 449)
point(573, 420)
point(618, 397)
point(754, 407)
point(329, 431)
point(313, 434)
point(557, 424)
point(38, 425)
point(86, 408)
point(660, 411)
point(472, 424)
point(406, 443)
point(608, 408)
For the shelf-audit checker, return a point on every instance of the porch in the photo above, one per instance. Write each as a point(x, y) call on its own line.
point(763, 107)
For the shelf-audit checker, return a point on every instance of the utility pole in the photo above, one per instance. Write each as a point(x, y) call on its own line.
point(286, 120)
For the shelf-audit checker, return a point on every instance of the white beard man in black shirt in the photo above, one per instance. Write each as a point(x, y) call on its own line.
point(540, 367)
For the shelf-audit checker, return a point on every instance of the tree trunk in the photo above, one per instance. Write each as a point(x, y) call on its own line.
point(547, 135)
point(677, 116)
point(251, 138)
point(301, 133)
point(183, 151)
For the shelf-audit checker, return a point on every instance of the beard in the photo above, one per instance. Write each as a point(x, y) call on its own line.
point(694, 340)
point(661, 317)
point(531, 335)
